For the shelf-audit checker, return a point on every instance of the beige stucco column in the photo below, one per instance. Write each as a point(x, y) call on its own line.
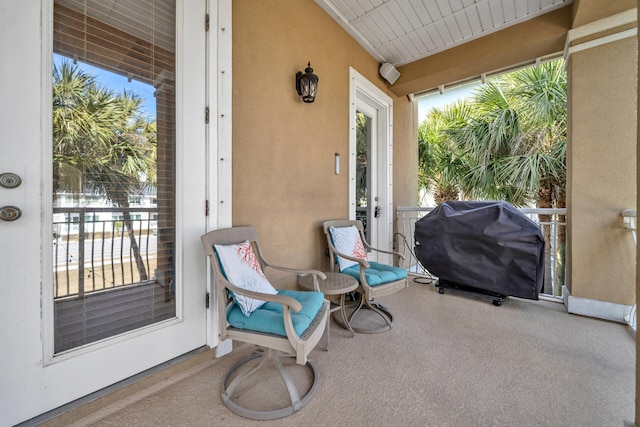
point(601, 168)
point(637, 417)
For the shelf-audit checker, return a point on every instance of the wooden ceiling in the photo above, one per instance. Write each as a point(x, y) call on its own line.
point(404, 31)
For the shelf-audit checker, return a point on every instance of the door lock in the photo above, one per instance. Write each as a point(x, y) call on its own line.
point(10, 180)
point(10, 213)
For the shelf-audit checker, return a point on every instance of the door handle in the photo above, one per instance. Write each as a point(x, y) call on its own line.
point(376, 212)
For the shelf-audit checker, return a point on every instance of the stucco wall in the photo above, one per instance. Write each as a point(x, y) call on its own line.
point(283, 150)
point(601, 171)
point(637, 417)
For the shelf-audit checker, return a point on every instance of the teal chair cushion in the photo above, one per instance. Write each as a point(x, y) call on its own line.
point(268, 318)
point(378, 274)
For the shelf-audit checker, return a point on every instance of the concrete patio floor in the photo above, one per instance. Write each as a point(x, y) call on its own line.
point(450, 360)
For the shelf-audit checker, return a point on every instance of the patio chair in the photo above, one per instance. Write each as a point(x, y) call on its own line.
point(348, 253)
point(282, 323)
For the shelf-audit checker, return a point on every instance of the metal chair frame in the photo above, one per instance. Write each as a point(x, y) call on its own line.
point(368, 292)
point(273, 347)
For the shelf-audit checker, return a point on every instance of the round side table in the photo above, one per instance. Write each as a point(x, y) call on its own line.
point(334, 284)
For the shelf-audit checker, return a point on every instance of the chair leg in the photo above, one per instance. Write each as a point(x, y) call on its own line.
point(382, 311)
point(343, 312)
point(375, 308)
point(227, 391)
point(270, 355)
point(355, 310)
point(327, 332)
point(291, 387)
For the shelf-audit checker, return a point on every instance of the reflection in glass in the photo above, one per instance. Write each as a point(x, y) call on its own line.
point(113, 167)
point(363, 143)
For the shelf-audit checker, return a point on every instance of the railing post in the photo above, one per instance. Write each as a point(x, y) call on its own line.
point(99, 260)
point(82, 213)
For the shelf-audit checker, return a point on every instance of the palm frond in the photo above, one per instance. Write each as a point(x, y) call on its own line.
point(507, 141)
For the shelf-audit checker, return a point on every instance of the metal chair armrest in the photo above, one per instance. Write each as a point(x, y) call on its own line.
point(363, 262)
point(398, 254)
point(286, 301)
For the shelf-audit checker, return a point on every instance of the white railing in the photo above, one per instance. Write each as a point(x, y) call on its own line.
point(629, 219)
point(554, 228)
point(93, 250)
point(407, 218)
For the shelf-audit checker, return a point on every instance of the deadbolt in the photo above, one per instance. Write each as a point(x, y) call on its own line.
point(10, 180)
point(10, 213)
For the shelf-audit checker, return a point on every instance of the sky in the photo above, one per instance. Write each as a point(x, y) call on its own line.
point(425, 103)
point(117, 83)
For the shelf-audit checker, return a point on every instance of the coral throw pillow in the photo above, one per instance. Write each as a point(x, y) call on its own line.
point(242, 268)
point(347, 241)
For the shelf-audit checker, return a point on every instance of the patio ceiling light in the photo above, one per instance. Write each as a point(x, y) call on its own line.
point(307, 84)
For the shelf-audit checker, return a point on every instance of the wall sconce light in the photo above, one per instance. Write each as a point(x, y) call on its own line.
point(307, 84)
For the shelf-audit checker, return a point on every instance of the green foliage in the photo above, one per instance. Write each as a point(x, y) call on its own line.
point(442, 166)
point(504, 143)
point(102, 143)
point(362, 162)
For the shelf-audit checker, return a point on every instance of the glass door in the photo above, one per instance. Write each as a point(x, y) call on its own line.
point(104, 245)
point(365, 203)
point(119, 228)
point(114, 157)
point(370, 163)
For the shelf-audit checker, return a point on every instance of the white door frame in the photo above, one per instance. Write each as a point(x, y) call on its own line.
point(37, 380)
point(366, 96)
point(219, 143)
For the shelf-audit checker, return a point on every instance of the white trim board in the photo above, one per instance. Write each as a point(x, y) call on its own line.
point(611, 22)
point(362, 92)
point(594, 308)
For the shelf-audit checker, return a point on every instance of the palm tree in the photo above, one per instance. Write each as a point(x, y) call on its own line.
point(442, 166)
point(101, 143)
point(540, 95)
point(542, 92)
point(509, 141)
point(486, 141)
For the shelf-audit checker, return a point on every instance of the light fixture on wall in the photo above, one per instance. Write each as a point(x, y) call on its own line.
point(307, 84)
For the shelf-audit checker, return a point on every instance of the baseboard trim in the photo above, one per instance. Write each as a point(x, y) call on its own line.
point(594, 308)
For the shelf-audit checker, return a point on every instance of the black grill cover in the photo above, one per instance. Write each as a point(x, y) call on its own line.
point(489, 246)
